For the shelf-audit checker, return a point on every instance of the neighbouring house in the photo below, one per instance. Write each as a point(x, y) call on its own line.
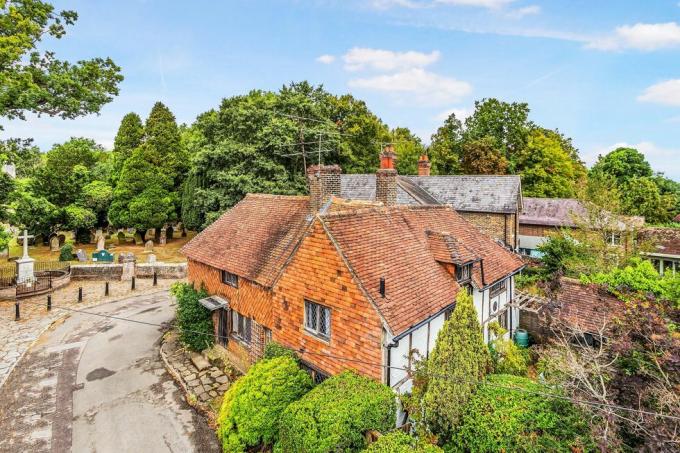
point(491, 202)
point(347, 284)
point(664, 250)
point(542, 217)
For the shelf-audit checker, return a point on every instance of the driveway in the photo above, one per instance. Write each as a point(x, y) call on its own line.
point(96, 384)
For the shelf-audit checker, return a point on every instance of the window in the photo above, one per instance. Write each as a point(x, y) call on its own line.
point(230, 279)
point(614, 238)
point(318, 319)
point(464, 272)
point(240, 326)
point(493, 306)
point(497, 288)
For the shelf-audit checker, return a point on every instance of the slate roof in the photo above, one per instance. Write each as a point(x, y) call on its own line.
point(551, 211)
point(586, 308)
point(254, 238)
point(481, 193)
point(394, 243)
point(665, 241)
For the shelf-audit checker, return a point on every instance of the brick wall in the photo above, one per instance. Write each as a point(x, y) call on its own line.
point(497, 225)
point(386, 186)
point(535, 230)
point(317, 273)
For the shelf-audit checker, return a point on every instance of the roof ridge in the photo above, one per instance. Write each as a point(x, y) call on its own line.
point(270, 195)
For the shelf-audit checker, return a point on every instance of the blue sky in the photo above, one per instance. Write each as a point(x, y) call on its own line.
point(604, 72)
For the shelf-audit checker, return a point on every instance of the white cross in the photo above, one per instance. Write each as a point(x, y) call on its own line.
point(26, 237)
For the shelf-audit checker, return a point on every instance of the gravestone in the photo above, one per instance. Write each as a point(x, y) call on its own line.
point(151, 259)
point(82, 256)
point(101, 243)
point(102, 256)
point(62, 239)
point(163, 239)
point(157, 234)
point(128, 266)
point(169, 234)
point(138, 239)
point(148, 247)
point(25, 263)
point(121, 238)
point(54, 244)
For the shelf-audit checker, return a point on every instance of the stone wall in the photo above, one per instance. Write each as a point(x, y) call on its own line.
point(96, 271)
point(163, 270)
point(497, 225)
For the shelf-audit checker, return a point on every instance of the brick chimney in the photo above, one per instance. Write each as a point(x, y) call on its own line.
point(324, 182)
point(386, 177)
point(424, 166)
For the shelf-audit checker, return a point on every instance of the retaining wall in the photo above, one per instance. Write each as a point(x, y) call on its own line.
point(163, 270)
point(96, 271)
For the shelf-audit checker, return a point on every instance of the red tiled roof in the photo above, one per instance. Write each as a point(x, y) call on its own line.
point(254, 238)
point(665, 241)
point(587, 308)
point(447, 249)
point(392, 242)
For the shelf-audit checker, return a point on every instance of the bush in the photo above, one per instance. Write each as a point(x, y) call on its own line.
point(400, 442)
point(273, 349)
point(335, 415)
point(253, 405)
point(193, 320)
point(498, 418)
point(66, 253)
point(507, 357)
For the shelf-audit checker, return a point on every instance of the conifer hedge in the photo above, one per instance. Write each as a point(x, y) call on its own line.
point(193, 320)
point(335, 415)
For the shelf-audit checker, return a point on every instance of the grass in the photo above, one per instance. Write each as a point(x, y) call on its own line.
point(168, 253)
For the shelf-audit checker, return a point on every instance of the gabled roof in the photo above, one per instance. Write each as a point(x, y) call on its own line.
point(586, 308)
point(666, 241)
point(551, 211)
point(393, 242)
point(254, 238)
point(478, 193)
point(446, 248)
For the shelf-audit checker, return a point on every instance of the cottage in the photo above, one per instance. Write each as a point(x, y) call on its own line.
point(490, 202)
point(665, 248)
point(347, 284)
point(542, 217)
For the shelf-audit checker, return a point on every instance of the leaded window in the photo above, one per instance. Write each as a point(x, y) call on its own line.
point(318, 319)
point(241, 326)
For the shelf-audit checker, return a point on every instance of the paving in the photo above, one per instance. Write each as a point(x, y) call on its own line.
point(98, 384)
point(17, 336)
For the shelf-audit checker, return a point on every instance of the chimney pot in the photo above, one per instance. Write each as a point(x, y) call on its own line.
point(388, 158)
point(324, 182)
point(424, 165)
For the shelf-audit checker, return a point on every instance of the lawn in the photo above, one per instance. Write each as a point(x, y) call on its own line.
point(168, 253)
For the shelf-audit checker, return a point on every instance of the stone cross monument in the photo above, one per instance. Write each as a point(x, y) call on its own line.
point(25, 263)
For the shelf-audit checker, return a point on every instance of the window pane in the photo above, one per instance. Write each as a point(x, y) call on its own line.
point(322, 321)
point(234, 321)
point(247, 327)
point(327, 311)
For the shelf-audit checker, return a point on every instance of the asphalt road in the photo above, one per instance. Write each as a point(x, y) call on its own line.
point(96, 384)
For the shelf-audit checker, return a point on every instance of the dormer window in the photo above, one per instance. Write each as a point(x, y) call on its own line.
point(464, 272)
point(230, 279)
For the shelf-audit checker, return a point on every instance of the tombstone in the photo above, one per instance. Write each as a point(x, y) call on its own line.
point(121, 238)
point(39, 240)
point(82, 256)
point(62, 239)
point(157, 234)
point(128, 266)
point(101, 243)
point(102, 256)
point(138, 239)
point(169, 233)
point(25, 263)
point(54, 244)
point(148, 247)
point(98, 233)
point(151, 259)
point(163, 239)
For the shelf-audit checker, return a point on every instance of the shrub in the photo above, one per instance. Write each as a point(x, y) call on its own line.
point(193, 320)
point(400, 442)
point(507, 357)
point(273, 349)
point(459, 360)
point(66, 253)
point(498, 418)
point(253, 405)
point(335, 415)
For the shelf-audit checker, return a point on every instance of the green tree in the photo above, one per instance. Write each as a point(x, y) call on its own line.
point(66, 171)
point(34, 213)
point(408, 148)
point(193, 320)
point(506, 123)
point(97, 197)
point(79, 218)
point(129, 137)
point(458, 362)
point(548, 166)
point(22, 153)
point(161, 134)
point(481, 157)
point(446, 147)
point(641, 197)
point(623, 164)
point(33, 80)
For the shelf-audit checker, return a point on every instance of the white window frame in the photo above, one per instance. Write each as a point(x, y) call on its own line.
point(229, 278)
point(498, 288)
point(241, 327)
point(464, 272)
point(317, 329)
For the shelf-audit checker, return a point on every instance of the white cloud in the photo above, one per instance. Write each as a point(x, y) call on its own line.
point(667, 93)
point(326, 59)
point(416, 85)
point(360, 58)
point(644, 37)
point(461, 114)
point(414, 4)
point(524, 11)
point(489, 4)
point(387, 4)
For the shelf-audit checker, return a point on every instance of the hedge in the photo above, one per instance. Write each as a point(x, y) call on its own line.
point(273, 349)
point(400, 442)
point(498, 418)
point(252, 407)
point(193, 320)
point(335, 415)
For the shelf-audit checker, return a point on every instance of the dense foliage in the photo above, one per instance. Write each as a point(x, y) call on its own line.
point(510, 413)
point(506, 356)
point(193, 320)
point(272, 349)
point(400, 442)
point(459, 361)
point(253, 406)
point(66, 253)
point(335, 415)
